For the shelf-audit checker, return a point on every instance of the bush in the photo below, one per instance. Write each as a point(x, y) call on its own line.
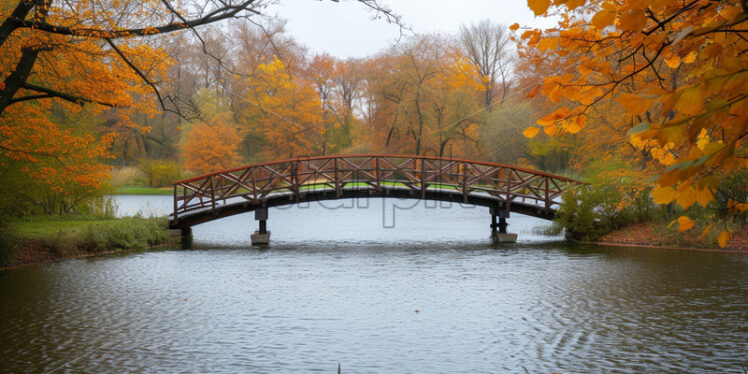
point(159, 173)
point(124, 233)
point(592, 211)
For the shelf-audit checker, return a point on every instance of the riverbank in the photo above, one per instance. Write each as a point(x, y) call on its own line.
point(653, 235)
point(137, 190)
point(45, 239)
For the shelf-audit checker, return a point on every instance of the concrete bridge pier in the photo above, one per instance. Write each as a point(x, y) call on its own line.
point(501, 236)
point(261, 236)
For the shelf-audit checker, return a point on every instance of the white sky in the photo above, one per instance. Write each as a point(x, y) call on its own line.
point(345, 29)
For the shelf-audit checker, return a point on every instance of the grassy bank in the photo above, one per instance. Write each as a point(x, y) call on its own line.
point(134, 190)
point(42, 239)
point(661, 234)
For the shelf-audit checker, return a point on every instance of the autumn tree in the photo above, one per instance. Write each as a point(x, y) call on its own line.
point(423, 98)
point(286, 112)
point(677, 68)
point(339, 85)
point(486, 45)
point(211, 147)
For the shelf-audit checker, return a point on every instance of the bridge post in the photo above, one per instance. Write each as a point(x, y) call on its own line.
point(262, 236)
point(501, 236)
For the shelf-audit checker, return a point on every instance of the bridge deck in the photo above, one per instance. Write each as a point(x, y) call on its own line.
point(225, 193)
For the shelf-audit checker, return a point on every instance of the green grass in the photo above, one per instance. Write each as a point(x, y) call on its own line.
point(134, 190)
point(48, 227)
point(61, 237)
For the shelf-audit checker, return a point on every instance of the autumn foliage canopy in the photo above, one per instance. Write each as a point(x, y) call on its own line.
point(676, 70)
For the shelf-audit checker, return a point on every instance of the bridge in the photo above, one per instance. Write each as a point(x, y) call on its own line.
point(257, 187)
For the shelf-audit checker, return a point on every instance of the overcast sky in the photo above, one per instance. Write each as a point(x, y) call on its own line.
point(345, 29)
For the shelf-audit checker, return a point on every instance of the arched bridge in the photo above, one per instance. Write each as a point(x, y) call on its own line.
point(257, 187)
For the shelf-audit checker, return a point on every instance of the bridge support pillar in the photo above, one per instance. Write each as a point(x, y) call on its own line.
point(501, 236)
point(261, 236)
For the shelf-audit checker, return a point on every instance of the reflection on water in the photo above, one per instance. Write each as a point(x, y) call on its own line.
point(334, 287)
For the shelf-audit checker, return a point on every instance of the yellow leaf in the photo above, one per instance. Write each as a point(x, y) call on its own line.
point(713, 147)
point(539, 6)
point(530, 132)
point(576, 124)
point(704, 196)
point(673, 62)
point(690, 58)
point(635, 104)
point(723, 238)
point(685, 223)
point(686, 197)
point(706, 231)
point(690, 101)
point(663, 195)
point(603, 19)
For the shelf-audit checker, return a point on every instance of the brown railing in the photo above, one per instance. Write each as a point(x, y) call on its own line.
point(420, 174)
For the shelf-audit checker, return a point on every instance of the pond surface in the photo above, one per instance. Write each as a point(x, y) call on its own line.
point(339, 286)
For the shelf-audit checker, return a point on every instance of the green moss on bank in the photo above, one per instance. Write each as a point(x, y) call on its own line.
point(41, 239)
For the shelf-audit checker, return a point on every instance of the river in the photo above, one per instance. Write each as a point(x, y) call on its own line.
point(380, 286)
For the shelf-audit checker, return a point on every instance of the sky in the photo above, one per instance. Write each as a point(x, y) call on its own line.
point(345, 29)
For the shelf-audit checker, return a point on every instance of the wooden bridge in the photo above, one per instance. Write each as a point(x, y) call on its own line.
point(258, 187)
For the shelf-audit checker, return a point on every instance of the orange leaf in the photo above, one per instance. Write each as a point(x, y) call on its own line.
point(723, 238)
point(685, 223)
point(635, 104)
point(633, 20)
point(706, 231)
point(539, 6)
point(573, 4)
point(533, 93)
point(551, 130)
point(514, 27)
point(603, 19)
point(530, 132)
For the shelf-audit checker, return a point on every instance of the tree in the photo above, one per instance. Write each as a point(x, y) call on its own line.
point(679, 70)
point(112, 31)
point(485, 45)
point(285, 111)
point(211, 147)
point(423, 96)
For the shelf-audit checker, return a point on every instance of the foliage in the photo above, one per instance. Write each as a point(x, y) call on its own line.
point(22, 195)
point(590, 212)
point(211, 147)
point(676, 70)
point(287, 112)
point(124, 233)
point(49, 238)
point(501, 136)
point(424, 95)
point(160, 173)
point(614, 199)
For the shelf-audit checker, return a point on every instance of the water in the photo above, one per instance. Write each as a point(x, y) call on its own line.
point(336, 287)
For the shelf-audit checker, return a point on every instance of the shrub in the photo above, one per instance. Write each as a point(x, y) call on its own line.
point(159, 173)
point(124, 233)
point(591, 211)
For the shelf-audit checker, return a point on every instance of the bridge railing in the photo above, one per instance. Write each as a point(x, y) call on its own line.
point(419, 174)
